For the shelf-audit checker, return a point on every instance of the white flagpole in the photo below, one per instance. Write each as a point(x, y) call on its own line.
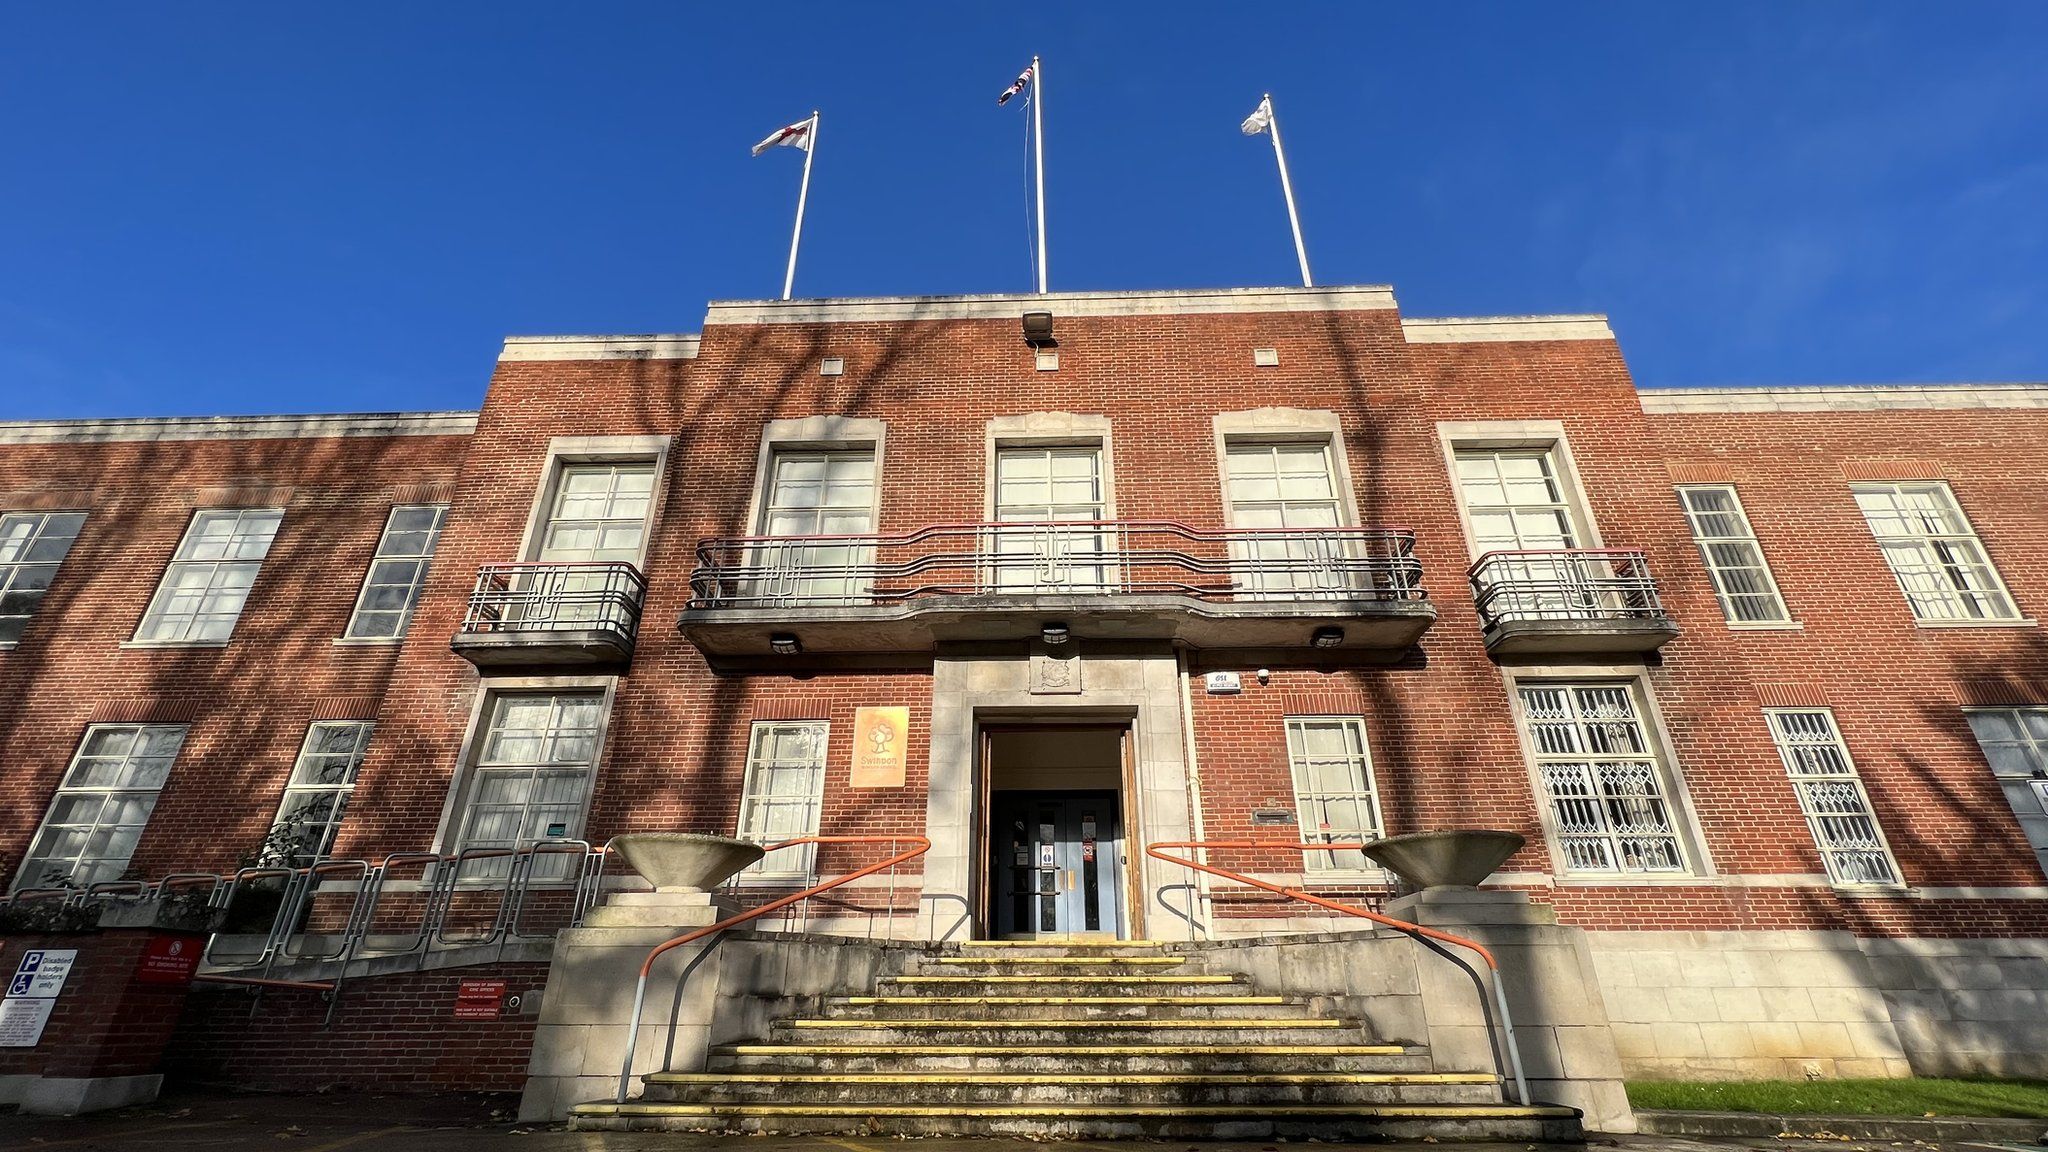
point(803, 193)
point(1287, 190)
point(1038, 139)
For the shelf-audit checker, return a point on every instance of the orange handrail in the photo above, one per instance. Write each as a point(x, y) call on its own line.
point(920, 845)
point(1156, 851)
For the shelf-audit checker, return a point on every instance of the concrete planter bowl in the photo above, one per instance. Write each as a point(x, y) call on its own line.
point(685, 861)
point(1458, 858)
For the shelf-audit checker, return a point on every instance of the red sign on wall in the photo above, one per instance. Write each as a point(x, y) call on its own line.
point(169, 960)
point(480, 1000)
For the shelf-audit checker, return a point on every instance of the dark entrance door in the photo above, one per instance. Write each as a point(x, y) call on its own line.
point(1058, 862)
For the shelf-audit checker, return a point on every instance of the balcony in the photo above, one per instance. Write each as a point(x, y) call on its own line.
point(1572, 600)
point(552, 614)
point(1356, 590)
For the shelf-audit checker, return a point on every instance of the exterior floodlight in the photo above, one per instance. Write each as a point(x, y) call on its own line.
point(784, 643)
point(1038, 329)
point(1326, 637)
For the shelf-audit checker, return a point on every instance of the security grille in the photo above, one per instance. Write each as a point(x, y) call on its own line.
point(1831, 795)
point(1608, 798)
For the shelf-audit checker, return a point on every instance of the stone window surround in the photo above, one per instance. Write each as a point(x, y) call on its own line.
point(567, 450)
point(1789, 623)
point(1283, 425)
point(487, 690)
point(814, 434)
point(1547, 435)
point(1685, 815)
point(1046, 430)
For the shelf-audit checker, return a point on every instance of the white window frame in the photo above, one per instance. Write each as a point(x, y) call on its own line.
point(2025, 789)
point(1801, 755)
point(298, 790)
point(1672, 790)
point(421, 561)
point(1548, 436)
point(1364, 799)
point(113, 796)
point(1951, 598)
point(1695, 520)
point(457, 812)
point(180, 561)
point(790, 864)
point(568, 451)
point(14, 563)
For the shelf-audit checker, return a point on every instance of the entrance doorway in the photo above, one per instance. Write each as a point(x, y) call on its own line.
point(1057, 857)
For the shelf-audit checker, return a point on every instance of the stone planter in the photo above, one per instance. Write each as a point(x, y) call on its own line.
point(685, 861)
point(1458, 858)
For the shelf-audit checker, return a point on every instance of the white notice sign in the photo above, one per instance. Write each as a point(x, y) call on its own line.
point(42, 973)
point(1222, 683)
point(22, 1020)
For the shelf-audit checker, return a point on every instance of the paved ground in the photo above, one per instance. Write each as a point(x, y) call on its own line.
point(362, 1122)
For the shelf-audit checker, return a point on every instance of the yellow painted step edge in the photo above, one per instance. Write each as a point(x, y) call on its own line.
point(998, 1111)
point(1168, 1001)
point(1070, 1078)
point(1066, 1050)
point(1137, 960)
point(1068, 978)
point(1062, 943)
point(1026, 1024)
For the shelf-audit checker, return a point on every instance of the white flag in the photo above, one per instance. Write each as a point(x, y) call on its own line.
point(797, 135)
point(1260, 120)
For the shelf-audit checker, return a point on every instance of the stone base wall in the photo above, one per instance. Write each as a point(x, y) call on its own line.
point(1790, 1005)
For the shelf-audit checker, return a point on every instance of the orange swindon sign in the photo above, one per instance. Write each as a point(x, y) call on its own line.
point(880, 738)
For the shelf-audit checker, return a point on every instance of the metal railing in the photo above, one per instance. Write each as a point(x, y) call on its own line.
point(594, 597)
point(1506, 1024)
point(1058, 557)
point(919, 845)
point(1564, 584)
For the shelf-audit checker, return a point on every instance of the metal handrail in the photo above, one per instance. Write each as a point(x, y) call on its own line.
point(556, 597)
point(1058, 556)
point(920, 845)
point(1563, 584)
point(1507, 1024)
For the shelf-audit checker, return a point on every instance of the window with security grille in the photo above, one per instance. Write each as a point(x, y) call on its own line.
point(1609, 797)
point(1831, 794)
point(1734, 559)
point(1035, 485)
point(1940, 564)
point(32, 546)
point(391, 588)
point(1333, 789)
point(103, 805)
point(532, 775)
point(2015, 743)
point(322, 781)
point(203, 590)
point(812, 494)
point(1286, 485)
point(784, 792)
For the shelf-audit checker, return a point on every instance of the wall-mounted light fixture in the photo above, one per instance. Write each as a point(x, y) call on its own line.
point(1053, 632)
point(1328, 637)
point(1038, 329)
point(832, 366)
point(784, 643)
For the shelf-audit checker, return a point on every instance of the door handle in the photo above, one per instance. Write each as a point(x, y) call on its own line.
point(1070, 879)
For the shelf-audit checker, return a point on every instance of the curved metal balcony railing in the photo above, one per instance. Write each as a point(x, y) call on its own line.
point(1567, 585)
point(603, 596)
point(1065, 557)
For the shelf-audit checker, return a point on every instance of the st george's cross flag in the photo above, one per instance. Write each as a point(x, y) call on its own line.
point(797, 135)
point(1023, 82)
point(1260, 120)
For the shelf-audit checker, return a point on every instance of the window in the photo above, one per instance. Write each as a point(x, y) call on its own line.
point(2015, 742)
point(1832, 796)
point(32, 545)
point(103, 804)
point(1333, 788)
point(1515, 499)
point(1934, 552)
point(1734, 559)
point(1285, 485)
point(532, 775)
point(1035, 485)
point(820, 494)
point(391, 589)
point(208, 581)
point(318, 794)
point(1609, 802)
point(598, 513)
point(784, 790)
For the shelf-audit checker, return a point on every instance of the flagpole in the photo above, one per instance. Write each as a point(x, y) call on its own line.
point(1038, 140)
point(1287, 190)
point(803, 193)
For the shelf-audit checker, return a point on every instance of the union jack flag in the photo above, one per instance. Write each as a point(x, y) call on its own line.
point(1023, 82)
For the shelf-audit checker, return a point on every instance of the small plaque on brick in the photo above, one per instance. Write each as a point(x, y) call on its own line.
point(480, 1000)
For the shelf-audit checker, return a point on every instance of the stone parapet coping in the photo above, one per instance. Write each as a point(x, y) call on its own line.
point(237, 427)
point(1842, 398)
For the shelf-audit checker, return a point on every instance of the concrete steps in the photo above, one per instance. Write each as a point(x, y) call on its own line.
point(1094, 1039)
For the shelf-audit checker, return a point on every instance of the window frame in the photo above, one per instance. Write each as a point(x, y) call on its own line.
point(1951, 595)
point(1367, 794)
point(1714, 573)
point(454, 806)
point(750, 796)
point(2032, 782)
point(342, 792)
point(1851, 775)
point(108, 794)
point(173, 566)
point(565, 452)
point(424, 561)
point(1456, 436)
point(10, 570)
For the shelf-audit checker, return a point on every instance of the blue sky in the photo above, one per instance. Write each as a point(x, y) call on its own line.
point(253, 208)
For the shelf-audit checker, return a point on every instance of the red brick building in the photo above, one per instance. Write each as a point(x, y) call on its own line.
point(1756, 672)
